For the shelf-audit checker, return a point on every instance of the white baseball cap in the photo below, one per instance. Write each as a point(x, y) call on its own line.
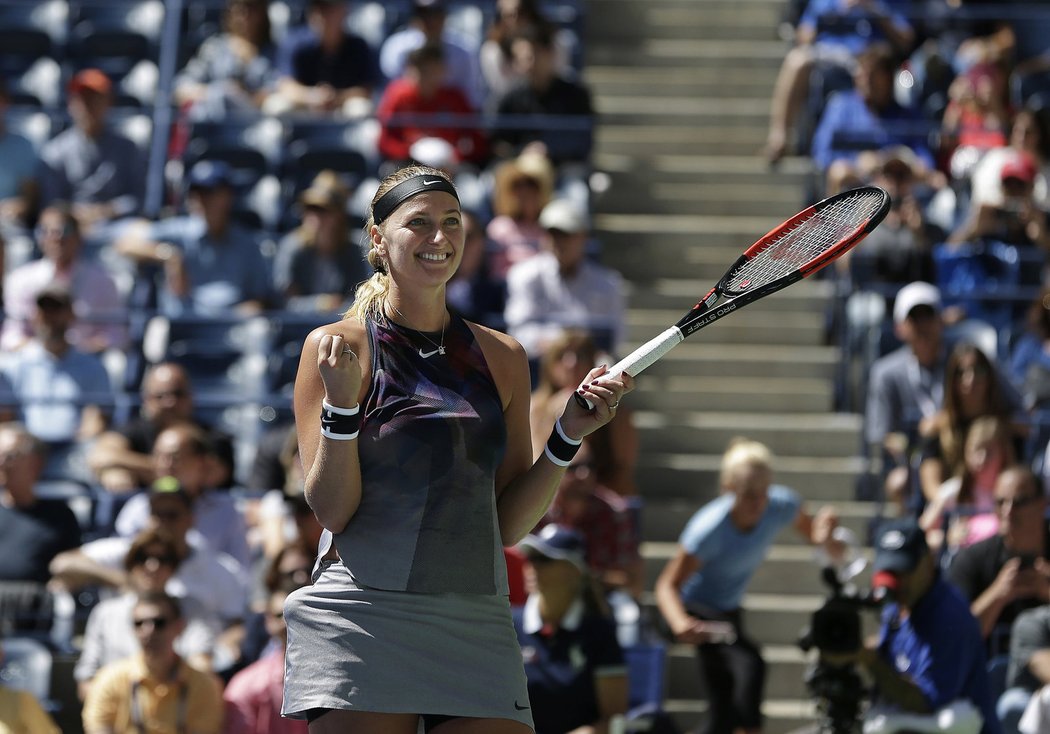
point(564, 215)
point(915, 294)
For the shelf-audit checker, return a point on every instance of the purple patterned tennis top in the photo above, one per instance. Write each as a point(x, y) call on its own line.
point(432, 437)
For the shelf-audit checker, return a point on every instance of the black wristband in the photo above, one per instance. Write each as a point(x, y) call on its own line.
point(340, 424)
point(560, 448)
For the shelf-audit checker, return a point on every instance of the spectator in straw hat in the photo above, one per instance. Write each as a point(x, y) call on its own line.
point(319, 263)
point(523, 187)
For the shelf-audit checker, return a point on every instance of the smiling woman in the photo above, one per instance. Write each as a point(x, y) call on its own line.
point(421, 470)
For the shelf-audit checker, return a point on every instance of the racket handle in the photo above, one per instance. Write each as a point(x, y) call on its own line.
point(642, 357)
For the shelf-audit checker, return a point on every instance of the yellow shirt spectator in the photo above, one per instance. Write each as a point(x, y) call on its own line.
point(124, 698)
point(21, 713)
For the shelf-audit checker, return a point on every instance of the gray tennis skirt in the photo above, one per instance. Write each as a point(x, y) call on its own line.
point(364, 649)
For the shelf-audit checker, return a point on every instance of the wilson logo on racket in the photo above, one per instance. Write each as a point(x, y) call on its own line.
point(744, 284)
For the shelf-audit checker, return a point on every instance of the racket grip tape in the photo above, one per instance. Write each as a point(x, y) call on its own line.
point(641, 358)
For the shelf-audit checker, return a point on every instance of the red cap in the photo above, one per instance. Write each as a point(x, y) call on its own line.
point(1021, 167)
point(92, 80)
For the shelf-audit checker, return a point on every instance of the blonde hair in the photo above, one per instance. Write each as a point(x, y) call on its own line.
point(371, 293)
point(744, 453)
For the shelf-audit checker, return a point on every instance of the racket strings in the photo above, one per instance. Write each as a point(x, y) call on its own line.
point(805, 241)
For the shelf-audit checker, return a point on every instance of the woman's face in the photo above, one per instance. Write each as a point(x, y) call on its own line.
point(972, 381)
point(1025, 133)
point(750, 487)
point(526, 191)
point(58, 241)
point(422, 241)
point(325, 224)
point(246, 19)
point(983, 454)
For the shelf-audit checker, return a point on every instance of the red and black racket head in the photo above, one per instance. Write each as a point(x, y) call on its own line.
point(811, 239)
point(795, 249)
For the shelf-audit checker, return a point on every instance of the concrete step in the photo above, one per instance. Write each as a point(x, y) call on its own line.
point(672, 395)
point(664, 519)
point(699, 82)
point(787, 666)
point(745, 139)
point(706, 265)
point(784, 716)
point(706, 114)
point(626, 21)
point(668, 475)
point(780, 716)
point(765, 326)
point(696, 358)
point(679, 52)
point(735, 198)
point(786, 434)
point(644, 170)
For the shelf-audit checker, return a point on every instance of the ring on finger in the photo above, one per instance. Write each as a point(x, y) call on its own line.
point(613, 405)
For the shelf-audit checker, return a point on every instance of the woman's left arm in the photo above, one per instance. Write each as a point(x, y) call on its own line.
point(525, 488)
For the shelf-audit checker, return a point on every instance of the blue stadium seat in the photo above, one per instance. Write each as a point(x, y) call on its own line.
point(30, 31)
point(288, 330)
point(32, 82)
point(248, 143)
point(646, 663)
point(221, 355)
point(309, 138)
point(27, 666)
point(372, 21)
point(78, 495)
point(31, 123)
point(116, 37)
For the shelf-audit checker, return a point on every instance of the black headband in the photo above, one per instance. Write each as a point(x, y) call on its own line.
point(405, 190)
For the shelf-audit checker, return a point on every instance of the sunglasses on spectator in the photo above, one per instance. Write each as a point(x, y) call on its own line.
point(157, 623)
point(168, 515)
point(161, 558)
point(42, 232)
point(177, 393)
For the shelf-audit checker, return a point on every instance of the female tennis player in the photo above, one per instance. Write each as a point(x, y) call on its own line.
point(414, 436)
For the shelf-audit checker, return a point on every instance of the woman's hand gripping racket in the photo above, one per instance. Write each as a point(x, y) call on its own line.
point(794, 250)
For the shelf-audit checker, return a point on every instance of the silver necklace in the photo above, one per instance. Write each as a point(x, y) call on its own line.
point(440, 348)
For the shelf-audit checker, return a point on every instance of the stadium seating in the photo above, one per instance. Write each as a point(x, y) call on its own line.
point(26, 666)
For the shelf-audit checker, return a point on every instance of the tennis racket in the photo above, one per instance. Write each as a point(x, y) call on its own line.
point(799, 247)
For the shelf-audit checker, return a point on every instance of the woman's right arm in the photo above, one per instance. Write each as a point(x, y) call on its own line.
point(331, 466)
point(682, 565)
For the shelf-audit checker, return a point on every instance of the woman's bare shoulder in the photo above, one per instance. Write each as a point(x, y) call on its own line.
point(496, 344)
point(351, 329)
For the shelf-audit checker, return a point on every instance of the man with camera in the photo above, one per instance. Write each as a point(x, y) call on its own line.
point(928, 665)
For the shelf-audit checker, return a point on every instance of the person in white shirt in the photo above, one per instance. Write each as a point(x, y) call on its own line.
point(561, 287)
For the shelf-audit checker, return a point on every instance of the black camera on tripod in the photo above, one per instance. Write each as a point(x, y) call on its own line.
point(836, 628)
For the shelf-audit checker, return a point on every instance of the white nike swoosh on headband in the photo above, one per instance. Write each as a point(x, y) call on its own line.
point(430, 183)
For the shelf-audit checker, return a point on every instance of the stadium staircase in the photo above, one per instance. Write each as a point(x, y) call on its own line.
point(682, 88)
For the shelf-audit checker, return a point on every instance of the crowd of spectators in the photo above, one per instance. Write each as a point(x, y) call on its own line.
point(152, 493)
point(945, 307)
